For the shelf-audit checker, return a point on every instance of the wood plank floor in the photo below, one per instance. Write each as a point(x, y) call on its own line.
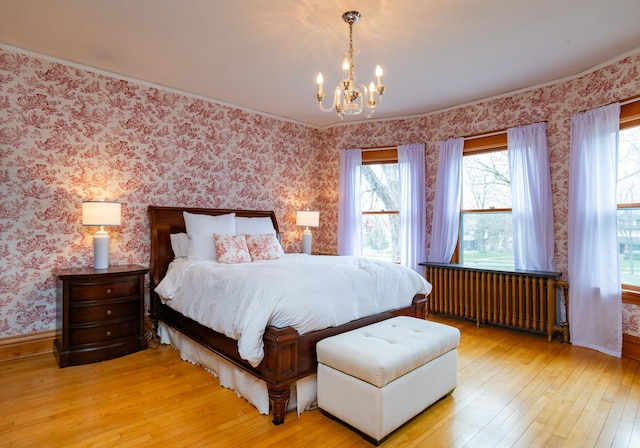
point(514, 390)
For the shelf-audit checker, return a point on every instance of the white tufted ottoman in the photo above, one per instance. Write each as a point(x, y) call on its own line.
point(378, 377)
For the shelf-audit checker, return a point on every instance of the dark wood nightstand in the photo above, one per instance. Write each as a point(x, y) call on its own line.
point(99, 313)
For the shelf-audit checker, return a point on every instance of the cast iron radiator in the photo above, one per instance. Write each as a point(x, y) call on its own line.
point(525, 300)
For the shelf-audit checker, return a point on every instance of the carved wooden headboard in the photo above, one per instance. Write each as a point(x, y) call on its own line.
point(164, 221)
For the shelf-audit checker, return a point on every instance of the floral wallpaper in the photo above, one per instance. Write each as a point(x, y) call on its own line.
point(67, 134)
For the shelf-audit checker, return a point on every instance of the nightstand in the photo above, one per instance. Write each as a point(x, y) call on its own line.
point(99, 313)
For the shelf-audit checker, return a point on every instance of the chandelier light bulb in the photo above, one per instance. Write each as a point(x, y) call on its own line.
point(379, 75)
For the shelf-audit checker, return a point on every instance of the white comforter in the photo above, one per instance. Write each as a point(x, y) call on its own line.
point(306, 292)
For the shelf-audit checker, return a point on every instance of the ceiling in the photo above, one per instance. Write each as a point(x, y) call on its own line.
point(264, 55)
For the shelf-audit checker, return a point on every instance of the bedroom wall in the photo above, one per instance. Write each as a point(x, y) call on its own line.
point(554, 103)
point(67, 134)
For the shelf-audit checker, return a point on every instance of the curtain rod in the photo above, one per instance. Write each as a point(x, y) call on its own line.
point(624, 102)
point(633, 99)
point(378, 148)
point(488, 134)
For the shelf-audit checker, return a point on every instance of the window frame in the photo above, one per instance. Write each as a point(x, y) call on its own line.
point(380, 156)
point(629, 118)
point(474, 145)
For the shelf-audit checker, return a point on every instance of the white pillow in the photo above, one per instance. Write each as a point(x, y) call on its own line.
point(201, 228)
point(254, 226)
point(180, 244)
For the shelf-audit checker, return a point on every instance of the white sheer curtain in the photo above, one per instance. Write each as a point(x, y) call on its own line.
point(413, 213)
point(446, 209)
point(595, 297)
point(349, 207)
point(532, 209)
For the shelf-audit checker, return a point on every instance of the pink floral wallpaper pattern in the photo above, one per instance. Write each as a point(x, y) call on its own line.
point(68, 134)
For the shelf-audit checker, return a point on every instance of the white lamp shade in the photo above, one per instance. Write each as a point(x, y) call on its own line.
point(101, 213)
point(308, 218)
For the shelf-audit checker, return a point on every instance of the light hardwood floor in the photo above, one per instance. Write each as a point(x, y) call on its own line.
point(514, 389)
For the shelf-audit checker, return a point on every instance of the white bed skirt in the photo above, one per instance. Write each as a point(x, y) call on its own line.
point(252, 389)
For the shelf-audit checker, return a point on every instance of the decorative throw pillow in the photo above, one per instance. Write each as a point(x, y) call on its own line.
point(264, 247)
point(231, 249)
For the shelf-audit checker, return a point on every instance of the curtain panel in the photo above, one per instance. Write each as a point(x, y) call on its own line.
point(413, 212)
point(349, 206)
point(595, 296)
point(532, 208)
point(446, 209)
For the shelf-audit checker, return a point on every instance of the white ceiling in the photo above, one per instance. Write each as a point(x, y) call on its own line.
point(264, 55)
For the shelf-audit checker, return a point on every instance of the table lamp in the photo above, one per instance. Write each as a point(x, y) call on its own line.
point(306, 219)
point(101, 213)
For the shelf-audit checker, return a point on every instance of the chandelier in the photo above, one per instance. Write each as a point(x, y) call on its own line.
point(349, 98)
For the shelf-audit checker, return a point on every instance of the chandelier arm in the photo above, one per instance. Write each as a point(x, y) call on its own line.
point(374, 97)
point(361, 96)
point(377, 98)
point(322, 108)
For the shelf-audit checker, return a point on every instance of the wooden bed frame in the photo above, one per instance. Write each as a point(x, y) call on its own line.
point(288, 356)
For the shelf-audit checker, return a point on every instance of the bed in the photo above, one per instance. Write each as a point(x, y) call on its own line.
point(288, 356)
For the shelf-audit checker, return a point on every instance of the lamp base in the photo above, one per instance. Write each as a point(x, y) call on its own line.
point(306, 241)
point(101, 250)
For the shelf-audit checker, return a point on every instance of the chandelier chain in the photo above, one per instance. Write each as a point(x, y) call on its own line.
point(351, 74)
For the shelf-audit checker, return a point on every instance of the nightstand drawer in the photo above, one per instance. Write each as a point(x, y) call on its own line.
point(96, 291)
point(102, 333)
point(109, 310)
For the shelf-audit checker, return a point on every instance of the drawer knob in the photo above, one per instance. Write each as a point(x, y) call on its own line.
point(108, 312)
point(108, 332)
point(108, 290)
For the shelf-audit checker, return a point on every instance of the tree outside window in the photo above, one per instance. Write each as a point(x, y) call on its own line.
point(486, 227)
point(380, 210)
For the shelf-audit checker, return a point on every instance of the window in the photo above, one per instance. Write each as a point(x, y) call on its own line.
point(380, 205)
point(628, 195)
point(486, 227)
